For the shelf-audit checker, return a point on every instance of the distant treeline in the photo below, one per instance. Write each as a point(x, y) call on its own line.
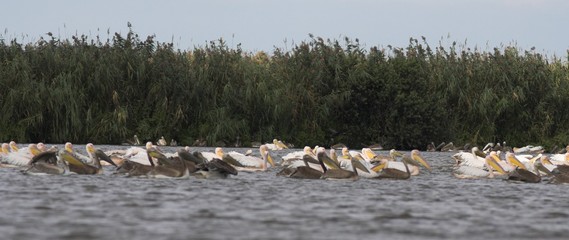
point(320, 92)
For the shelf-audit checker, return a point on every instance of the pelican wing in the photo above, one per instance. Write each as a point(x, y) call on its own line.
point(20, 158)
point(245, 161)
point(141, 158)
point(470, 172)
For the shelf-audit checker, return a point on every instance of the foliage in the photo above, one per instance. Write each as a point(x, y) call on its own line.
point(321, 92)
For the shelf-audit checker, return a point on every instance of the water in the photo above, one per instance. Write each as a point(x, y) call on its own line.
point(262, 206)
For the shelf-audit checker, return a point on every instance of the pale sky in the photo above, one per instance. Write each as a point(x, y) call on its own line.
point(264, 24)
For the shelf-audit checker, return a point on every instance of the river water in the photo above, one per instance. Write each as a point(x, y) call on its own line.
point(263, 206)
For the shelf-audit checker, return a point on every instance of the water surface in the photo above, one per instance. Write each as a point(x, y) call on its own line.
point(263, 206)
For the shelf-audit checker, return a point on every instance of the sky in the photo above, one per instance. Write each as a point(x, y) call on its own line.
point(263, 25)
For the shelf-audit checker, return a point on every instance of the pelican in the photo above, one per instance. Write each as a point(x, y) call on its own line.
point(414, 161)
point(132, 168)
point(249, 163)
point(302, 172)
point(140, 155)
point(13, 146)
point(161, 141)
point(393, 154)
point(168, 167)
point(80, 166)
point(276, 145)
point(448, 147)
point(4, 151)
point(475, 158)
point(560, 159)
point(47, 163)
point(297, 156)
point(524, 175)
point(338, 173)
point(384, 170)
point(411, 162)
point(215, 169)
point(470, 172)
point(514, 162)
point(21, 157)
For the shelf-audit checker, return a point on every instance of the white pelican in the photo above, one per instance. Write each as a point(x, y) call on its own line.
point(13, 146)
point(338, 173)
point(161, 141)
point(560, 159)
point(140, 155)
point(475, 158)
point(295, 156)
point(79, 165)
point(531, 176)
point(276, 145)
point(386, 170)
point(393, 154)
point(409, 162)
point(245, 163)
point(47, 163)
point(530, 149)
point(470, 172)
point(5, 150)
point(21, 157)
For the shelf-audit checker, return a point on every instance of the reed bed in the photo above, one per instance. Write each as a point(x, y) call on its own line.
point(321, 91)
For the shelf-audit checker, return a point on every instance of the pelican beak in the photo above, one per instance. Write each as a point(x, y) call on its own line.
point(418, 158)
point(479, 153)
point(494, 164)
point(34, 150)
point(359, 165)
point(310, 159)
point(369, 154)
point(397, 154)
point(379, 167)
point(69, 158)
point(330, 164)
point(514, 161)
point(270, 160)
point(546, 160)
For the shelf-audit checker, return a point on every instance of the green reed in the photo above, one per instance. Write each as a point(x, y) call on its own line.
point(321, 91)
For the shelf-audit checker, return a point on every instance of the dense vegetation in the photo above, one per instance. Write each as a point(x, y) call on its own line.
point(319, 92)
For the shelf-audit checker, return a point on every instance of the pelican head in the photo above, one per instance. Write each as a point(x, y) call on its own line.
point(493, 164)
point(13, 147)
point(33, 149)
point(356, 163)
point(266, 155)
point(511, 159)
point(476, 151)
point(368, 153)
point(394, 154)
point(68, 147)
point(416, 156)
point(41, 147)
point(545, 160)
point(333, 154)
point(99, 156)
point(90, 148)
point(5, 148)
point(345, 153)
point(219, 152)
point(148, 145)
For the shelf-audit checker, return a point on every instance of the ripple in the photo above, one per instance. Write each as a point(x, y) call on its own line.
point(432, 205)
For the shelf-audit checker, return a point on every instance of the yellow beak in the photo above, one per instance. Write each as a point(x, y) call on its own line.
point(379, 167)
point(270, 160)
point(514, 161)
point(494, 164)
point(421, 161)
point(68, 157)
